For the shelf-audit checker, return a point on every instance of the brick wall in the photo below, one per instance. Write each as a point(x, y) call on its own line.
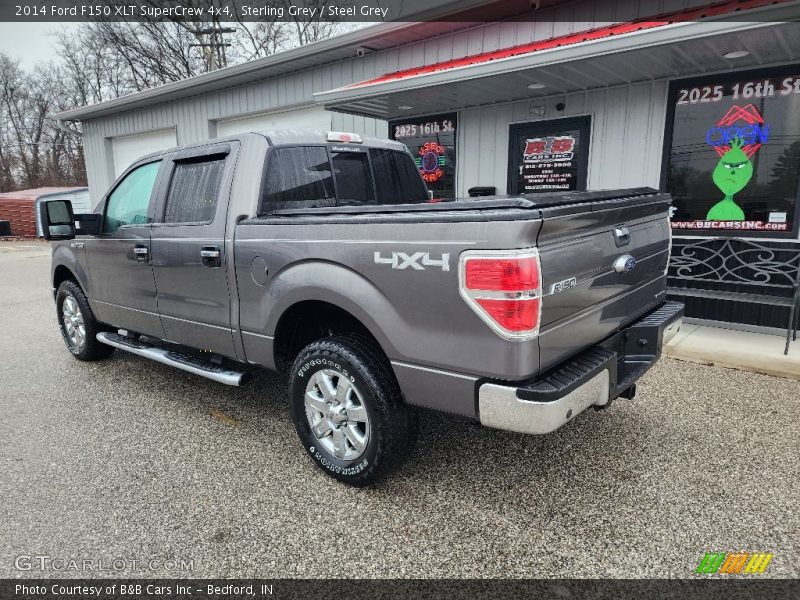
point(21, 214)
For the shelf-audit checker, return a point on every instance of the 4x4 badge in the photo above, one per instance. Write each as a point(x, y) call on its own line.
point(417, 261)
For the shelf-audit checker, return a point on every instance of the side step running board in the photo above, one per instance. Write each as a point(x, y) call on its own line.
point(174, 359)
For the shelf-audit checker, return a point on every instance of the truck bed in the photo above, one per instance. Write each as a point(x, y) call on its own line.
point(573, 231)
point(568, 201)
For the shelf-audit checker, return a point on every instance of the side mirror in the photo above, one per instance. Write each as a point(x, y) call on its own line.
point(88, 224)
point(56, 220)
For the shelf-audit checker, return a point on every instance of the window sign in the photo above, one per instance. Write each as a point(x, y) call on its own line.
point(432, 142)
point(733, 160)
point(548, 156)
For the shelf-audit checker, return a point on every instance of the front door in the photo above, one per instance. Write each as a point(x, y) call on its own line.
point(122, 290)
point(188, 244)
point(548, 156)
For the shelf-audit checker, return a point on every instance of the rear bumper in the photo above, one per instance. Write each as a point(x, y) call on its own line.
point(592, 378)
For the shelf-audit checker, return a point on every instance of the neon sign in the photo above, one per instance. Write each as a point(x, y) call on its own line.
point(743, 125)
point(430, 161)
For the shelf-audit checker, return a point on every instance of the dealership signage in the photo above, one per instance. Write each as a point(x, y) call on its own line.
point(432, 142)
point(548, 156)
point(418, 128)
point(547, 163)
point(734, 157)
point(431, 161)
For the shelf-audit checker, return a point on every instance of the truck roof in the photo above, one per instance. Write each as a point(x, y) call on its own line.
point(287, 137)
point(307, 136)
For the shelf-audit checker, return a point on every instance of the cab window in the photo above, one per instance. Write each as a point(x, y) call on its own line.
point(128, 203)
point(397, 179)
point(353, 178)
point(298, 177)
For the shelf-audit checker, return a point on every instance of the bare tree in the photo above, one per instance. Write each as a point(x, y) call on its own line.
point(33, 151)
point(106, 59)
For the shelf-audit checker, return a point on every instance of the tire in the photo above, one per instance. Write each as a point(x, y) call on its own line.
point(362, 427)
point(78, 325)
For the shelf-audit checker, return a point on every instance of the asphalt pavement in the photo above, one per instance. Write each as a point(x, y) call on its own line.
point(130, 465)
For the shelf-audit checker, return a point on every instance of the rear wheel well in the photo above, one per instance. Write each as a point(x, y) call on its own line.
point(61, 275)
point(308, 321)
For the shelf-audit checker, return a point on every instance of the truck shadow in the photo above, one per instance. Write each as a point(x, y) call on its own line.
point(451, 453)
point(450, 448)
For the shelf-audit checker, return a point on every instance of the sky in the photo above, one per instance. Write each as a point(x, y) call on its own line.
point(30, 42)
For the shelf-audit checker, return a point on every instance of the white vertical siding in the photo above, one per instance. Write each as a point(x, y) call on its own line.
point(625, 146)
point(194, 118)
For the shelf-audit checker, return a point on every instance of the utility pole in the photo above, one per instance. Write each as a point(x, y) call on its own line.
point(212, 45)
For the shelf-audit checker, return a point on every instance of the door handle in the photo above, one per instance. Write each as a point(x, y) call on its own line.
point(142, 252)
point(211, 256)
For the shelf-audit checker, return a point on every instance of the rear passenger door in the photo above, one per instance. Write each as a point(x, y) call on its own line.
point(188, 249)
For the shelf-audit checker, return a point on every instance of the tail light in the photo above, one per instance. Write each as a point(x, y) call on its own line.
point(504, 288)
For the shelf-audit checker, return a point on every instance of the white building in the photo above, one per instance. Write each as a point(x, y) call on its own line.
point(574, 95)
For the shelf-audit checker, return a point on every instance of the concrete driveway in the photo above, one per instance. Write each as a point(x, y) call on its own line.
point(130, 460)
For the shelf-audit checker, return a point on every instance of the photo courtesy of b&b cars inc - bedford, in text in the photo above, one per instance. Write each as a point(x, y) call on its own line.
point(400, 299)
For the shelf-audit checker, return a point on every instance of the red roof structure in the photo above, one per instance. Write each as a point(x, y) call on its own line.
point(682, 16)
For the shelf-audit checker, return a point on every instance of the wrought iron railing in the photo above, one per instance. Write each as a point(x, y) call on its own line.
point(736, 261)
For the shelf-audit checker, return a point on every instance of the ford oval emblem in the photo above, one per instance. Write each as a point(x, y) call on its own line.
point(624, 263)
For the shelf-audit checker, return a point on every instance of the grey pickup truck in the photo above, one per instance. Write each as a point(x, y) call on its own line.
point(321, 255)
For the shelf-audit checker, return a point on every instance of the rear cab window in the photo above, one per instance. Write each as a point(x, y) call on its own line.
point(298, 177)
point(398, 181)
point(318, 176)
point(353, 176)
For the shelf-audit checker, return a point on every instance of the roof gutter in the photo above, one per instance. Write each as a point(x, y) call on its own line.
point(217, 79)
point(219, 76)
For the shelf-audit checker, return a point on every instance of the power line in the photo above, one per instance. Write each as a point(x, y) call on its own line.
point(214, 42)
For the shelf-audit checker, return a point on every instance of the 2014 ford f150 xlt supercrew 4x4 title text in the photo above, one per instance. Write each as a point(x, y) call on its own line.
point(321, 255)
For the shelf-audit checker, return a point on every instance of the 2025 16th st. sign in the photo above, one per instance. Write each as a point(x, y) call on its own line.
point(733, 153)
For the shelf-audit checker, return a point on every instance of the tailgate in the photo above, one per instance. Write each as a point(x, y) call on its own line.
point(603, 258)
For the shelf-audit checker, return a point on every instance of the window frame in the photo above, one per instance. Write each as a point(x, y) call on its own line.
point(669, 131)
point(153, 194)
point(210, 153)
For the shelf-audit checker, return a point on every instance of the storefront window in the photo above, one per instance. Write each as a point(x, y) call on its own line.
point(548, 156)
point(734, 154)
point(432, 142)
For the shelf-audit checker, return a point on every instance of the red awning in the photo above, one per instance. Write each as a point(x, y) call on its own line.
point(695, 14)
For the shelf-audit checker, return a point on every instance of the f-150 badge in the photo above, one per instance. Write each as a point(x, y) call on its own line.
point(416, 260)
point(563, 286)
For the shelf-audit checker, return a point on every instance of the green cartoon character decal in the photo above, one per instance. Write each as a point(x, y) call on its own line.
point(733, 172)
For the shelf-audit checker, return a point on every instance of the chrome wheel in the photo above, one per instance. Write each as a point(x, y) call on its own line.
point(336, 414)
point(72, 317)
